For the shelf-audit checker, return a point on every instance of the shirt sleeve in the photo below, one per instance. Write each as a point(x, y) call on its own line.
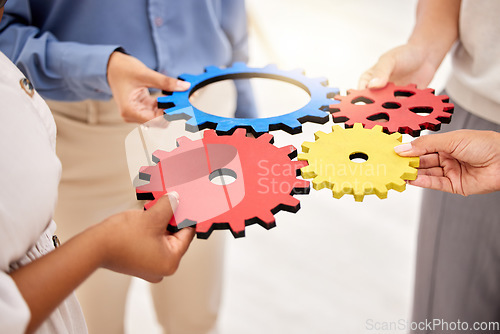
point(14, 312)
point(59, 70)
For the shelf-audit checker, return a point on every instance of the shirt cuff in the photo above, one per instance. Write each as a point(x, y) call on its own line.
point(84, 68)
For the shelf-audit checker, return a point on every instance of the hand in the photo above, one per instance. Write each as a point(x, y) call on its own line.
point(129, 80)
point(137, 242)
point(461, 162)
point(402, 65)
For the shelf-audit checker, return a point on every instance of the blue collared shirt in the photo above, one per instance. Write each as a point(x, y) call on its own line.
point(63, 46)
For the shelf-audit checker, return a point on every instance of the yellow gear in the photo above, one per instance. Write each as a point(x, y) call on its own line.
point(331, 163)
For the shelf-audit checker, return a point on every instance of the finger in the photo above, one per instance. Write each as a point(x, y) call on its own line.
point(434, 143)
point(381, 72)
point(165, 207)
point(153, 79)
point(181, 240)
point(433, 182)
point(434, 171)
point(429, 160)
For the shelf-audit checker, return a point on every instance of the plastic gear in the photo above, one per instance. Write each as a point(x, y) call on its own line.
point(316, 110)
point(265, 182)
point(403, 109)
point(331, 163)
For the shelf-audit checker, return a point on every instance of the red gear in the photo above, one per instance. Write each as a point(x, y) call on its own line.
point(257, 165)
point(395, 108)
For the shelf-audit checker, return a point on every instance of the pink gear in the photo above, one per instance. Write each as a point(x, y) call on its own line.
point(404, 109)
point(265, 182)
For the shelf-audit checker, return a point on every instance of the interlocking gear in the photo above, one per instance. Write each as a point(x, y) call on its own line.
point(336, 162)
point(403, 109)
point(316, 110)
point(265, 180)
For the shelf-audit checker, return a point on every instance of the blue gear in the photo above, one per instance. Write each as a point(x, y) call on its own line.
point(316, 110)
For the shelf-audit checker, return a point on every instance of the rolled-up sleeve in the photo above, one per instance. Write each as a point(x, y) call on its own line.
point(14, 312)
point(59, 70)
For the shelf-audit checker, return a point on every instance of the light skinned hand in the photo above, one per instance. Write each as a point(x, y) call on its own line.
point(461, 162)
point(129, 80)
point(402, 65)
point(137, 242)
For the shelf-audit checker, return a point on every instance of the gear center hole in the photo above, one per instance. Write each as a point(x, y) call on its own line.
point(271, 97)
point(358, 157)
point(222, 176)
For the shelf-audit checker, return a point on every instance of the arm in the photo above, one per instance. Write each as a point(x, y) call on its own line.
point(70, 71)
point(435, 32)
point(133, 242)
point(462, 162)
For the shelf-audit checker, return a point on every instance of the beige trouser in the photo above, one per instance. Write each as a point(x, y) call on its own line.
point(96, 184)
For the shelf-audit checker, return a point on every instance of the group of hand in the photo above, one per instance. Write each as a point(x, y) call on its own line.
point(462, 162)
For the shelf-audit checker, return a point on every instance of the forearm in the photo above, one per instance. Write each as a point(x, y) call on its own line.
point(436, 28)
point(46, 282)
point(59, 70)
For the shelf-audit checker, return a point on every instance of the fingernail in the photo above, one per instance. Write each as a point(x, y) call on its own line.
point(375, 82)
point(402, 148)
point(173, 197)
point(183, 85)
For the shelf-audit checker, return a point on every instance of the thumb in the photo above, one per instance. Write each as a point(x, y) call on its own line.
point(426, 144)
point(378, 76)
point(181, 240)
point(153, 79)
point(165, 207)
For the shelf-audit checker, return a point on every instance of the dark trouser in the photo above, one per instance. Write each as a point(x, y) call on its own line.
point(458, 254)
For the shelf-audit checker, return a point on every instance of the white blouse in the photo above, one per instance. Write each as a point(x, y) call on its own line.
point(29, 177)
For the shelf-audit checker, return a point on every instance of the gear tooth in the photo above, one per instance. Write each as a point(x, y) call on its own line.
point(187, 77)
point(308, 172)
point(320, 182)
point(267, 220)
point(298, 71)
point(293, 125)
point(414, 161)
point(288, 150)
point(209, 134)
point(397, 136)
point(378, 128)
point(302, 156)
point(212, 69)
point(181, 141)
point(337, 191)
point(359, 126)
point(271, 67)
point(332, 91)
point(225, 126)
point(268, 138)
point(381, 191)
point(290, 201)
point(191, 122)
point(239, 65)
point(319, 135)
point(322, 80)
point(337, 128)
point(237, 228)
point(410, 174)
point(241, 132)
point(299, 164)
point(398, 185)
point(429, 90)
point(306, 146)
point(159, 155)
